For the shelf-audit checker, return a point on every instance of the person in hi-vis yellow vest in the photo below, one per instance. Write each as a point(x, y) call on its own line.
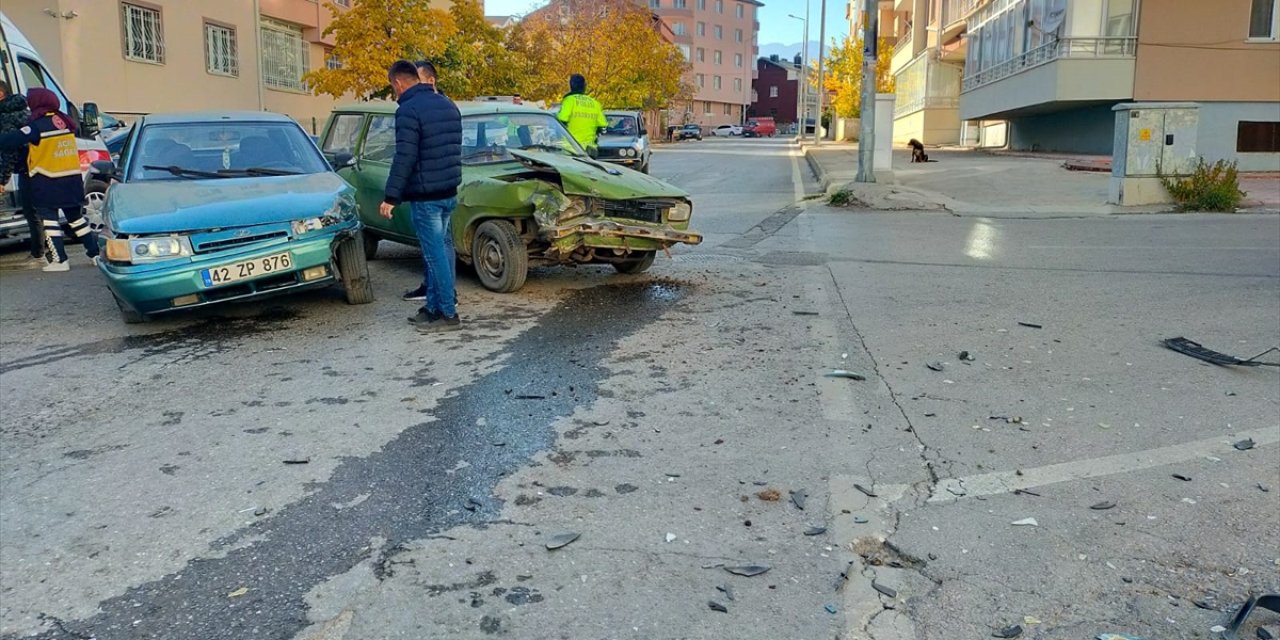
point(582, 114)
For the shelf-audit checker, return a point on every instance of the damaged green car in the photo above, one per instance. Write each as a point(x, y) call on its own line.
point(530, 195)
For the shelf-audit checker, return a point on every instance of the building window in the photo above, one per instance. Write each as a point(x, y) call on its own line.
point(738, 34)
point(1263, 18)
point(678, 29)
point(719, 6)
point(655, 4)
point(715, 82)
point(285, 56)
point(728, 109)
point(679, 4)
point(741, 11)
point(332, 62)
point(143, 34)
point(706, 108)
point(719, 57)
point(702, 54)
point(220, 50)
point(701, 80)
point(755, 96)
point(773, 91)
point(702, 5)
point(702, 28)
point(737, 85)
point(343, 3)
point(719, 32)
point(737, 60)
point(1258, 137)
point(684, 50)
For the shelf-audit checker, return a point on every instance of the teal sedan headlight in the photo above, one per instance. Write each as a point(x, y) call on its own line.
point(342, 209)
point(143, 250)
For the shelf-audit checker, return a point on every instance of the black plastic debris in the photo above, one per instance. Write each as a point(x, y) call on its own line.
point(1269, 601)
point(888, 592)
point(841, 373)
point(561, 540)
point(798, 498)
point(965, 356)
point(297, 460)
point(472, 504)
point(865, 491)
point(716, 606)
point(1264, 488)
point(1008, 632)
point(935, 366)
point(1265, 634)
point(805, 313)
point(1179, 476)
point(1103, 506)
point(1197, 351)
point(1244, 445)
point(1029, 325)
point(815, 530)
point(1204, 604)
point(727, 591)
point(747, 570)
point(530, 396)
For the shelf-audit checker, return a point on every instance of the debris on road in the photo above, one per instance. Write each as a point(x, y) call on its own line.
point(716, 606)
point(727, 591)
point(888, 592)
point(1030, 325)
point(815, 530)
point(297, 460)
point(1030, 620)
point(261, 511)
point(831, 609)
point(1103, 506)
point(798, 498)
point(865, 491)
point(860, 520)
point(935, 366)
point(965, 356)
point(671, 537)
point(1008, 632)
point(769, 495)
point(472, 504)
point(841, 373)
point(1197, 351)
point(1244, 445)
point(1181, 477)
point(804, 313)
point(238, 592)
point(1025, 522)
point(530, 396)
point(747, 570)
point(1265, 634)
point(1270, 601)
point(1116, 636)
point(561, 540)
point(1264, 488)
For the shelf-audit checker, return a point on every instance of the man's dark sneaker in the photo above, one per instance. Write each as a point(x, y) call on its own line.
point(440, 323)
point(424, 318)
point(417, 295)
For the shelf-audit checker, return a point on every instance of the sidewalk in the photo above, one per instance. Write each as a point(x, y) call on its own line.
point(967, 181)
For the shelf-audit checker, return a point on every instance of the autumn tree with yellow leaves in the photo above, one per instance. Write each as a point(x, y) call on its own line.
point(476, 60)
point(615, 44)
point(372, 35)
point(844, 74)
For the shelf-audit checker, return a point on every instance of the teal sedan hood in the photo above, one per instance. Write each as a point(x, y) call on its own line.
point(584, 176)
point(177, 206)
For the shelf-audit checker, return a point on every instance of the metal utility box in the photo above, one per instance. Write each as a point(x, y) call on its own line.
point(1151, 139)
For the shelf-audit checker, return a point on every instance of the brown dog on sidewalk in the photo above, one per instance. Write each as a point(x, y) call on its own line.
point(917, 151)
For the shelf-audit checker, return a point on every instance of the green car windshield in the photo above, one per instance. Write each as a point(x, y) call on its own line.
point(487, 138)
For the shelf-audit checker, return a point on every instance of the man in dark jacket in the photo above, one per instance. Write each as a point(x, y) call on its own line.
point(425, 173)
point(14, 116)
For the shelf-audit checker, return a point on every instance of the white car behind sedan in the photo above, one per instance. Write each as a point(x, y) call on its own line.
point(727, 130)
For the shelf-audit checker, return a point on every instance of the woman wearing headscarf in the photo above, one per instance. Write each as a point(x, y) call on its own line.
point(53, 166)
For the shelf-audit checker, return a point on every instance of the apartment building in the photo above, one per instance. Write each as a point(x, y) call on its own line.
point(775, 92)
point(1050, 71)
point(720, 39)
point(134, 57)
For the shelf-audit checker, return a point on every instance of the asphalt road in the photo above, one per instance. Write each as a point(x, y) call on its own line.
point(680, 422)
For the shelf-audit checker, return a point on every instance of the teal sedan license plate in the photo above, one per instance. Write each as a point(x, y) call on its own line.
point(226, 274)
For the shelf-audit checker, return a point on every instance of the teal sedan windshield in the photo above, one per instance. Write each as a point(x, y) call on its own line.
point(487, 137)
point(222, 150)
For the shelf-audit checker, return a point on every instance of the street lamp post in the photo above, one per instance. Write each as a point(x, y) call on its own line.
point(802, 85)
point(822, 76)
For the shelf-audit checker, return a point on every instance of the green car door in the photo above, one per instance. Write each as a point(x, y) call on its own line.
point(370, 179)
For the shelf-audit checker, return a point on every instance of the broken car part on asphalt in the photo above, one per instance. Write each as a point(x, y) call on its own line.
point(1269, 601)
point(747, 570)
point(561, 540)
point(1197, 351)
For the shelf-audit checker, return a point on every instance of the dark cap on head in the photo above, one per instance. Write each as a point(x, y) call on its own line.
point(577, 83)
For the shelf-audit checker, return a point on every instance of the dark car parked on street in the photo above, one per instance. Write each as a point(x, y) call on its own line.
point(689, 131)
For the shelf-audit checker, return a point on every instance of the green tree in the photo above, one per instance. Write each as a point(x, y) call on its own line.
point(844, 74)
point(372, 35)
point(476, 60)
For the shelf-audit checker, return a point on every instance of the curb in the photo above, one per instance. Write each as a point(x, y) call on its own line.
point(819, 173)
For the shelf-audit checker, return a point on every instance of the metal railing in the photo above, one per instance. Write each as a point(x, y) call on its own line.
point(1120, 47)
point(954, 11)
point(927, 102)
point(903, 43)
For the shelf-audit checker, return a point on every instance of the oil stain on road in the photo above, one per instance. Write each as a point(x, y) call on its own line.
point(431, 477)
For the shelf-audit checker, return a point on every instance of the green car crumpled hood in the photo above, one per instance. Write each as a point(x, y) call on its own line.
point(587, 177)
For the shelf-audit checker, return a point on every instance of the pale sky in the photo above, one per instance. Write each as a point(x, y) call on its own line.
point(775, 26)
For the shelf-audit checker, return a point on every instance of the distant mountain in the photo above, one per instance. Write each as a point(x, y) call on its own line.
point(789, 51)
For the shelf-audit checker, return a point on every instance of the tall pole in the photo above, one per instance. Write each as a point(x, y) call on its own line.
point(804, 73)
point(867, 136)
point(822, 76)
point(799, 82)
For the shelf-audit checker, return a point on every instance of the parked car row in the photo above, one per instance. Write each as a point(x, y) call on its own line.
point(208, 208)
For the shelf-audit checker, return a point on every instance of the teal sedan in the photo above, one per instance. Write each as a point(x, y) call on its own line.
point(207, 208)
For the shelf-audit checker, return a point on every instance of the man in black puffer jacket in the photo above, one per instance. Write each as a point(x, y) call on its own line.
point(425, 173)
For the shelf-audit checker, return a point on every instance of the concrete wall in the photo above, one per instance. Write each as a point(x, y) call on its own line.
point(1064, 80)
point(1083, 130)
point(929, 126)
point(1216, 136)
point(1219, 64)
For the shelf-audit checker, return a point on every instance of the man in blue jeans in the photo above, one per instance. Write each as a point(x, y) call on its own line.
point(425, 173)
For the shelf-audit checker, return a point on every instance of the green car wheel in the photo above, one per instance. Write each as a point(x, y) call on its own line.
point(638, 265)
point(499, 255)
